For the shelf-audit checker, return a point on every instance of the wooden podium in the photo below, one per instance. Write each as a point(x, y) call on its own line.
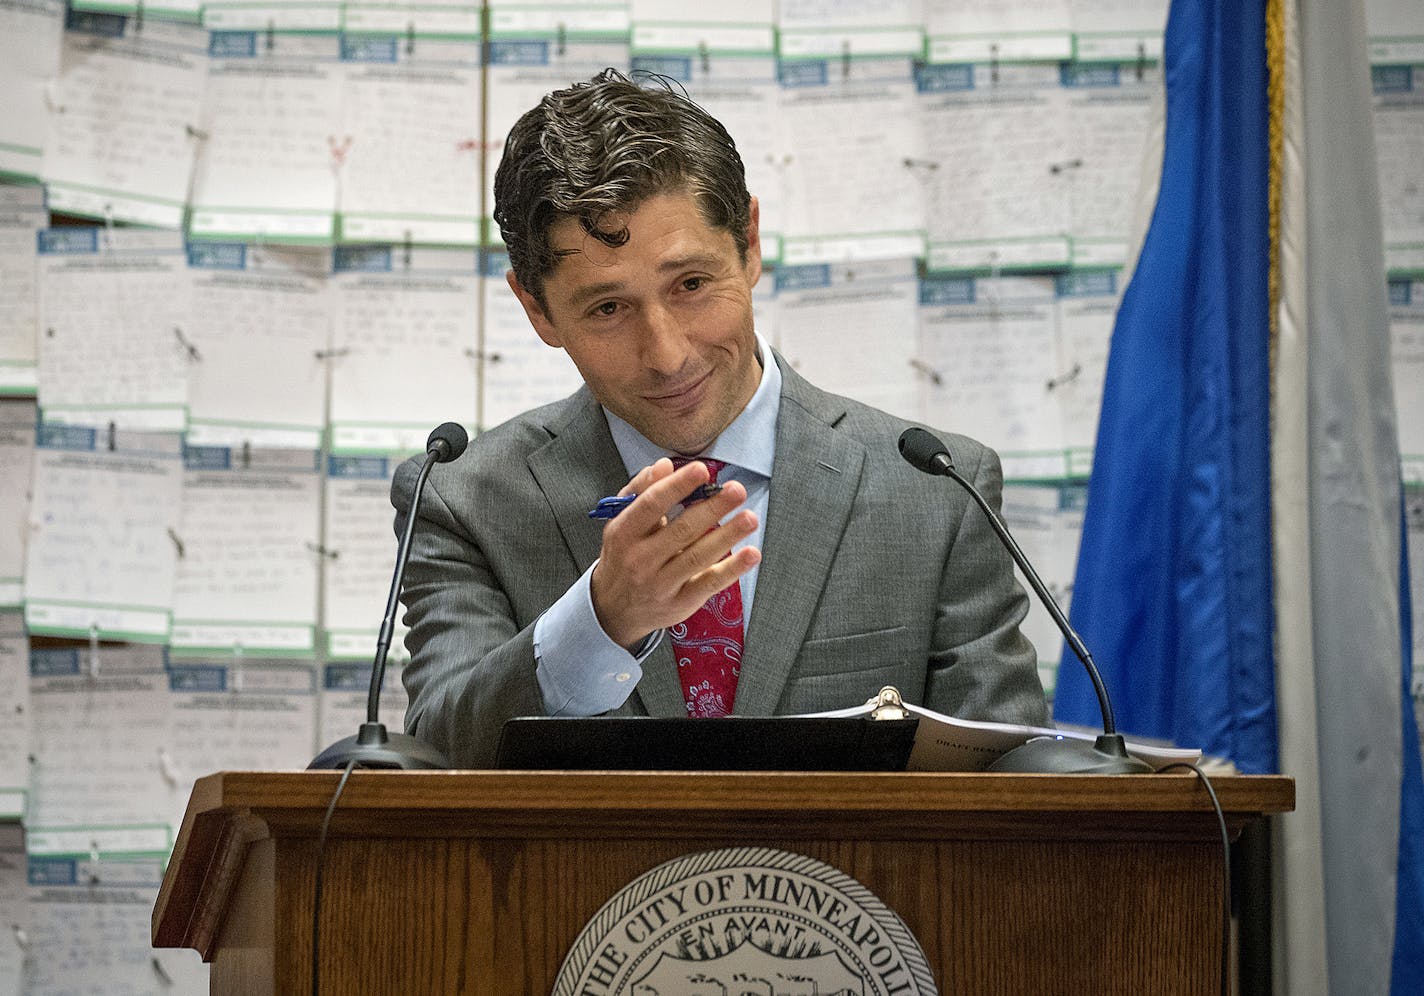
point(479, 882)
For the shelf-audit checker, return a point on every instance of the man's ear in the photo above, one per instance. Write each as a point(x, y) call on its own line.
point(753, 264)
point(538, 317)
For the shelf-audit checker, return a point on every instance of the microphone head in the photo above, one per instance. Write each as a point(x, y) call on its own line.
point(448, 441)
point(923, 451)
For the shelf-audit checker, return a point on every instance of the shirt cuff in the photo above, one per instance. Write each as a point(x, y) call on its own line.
point(581, 671)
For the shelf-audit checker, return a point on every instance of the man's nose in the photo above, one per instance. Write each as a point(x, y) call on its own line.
point(665, 345)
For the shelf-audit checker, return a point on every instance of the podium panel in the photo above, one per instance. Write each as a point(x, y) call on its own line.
point(480, 882)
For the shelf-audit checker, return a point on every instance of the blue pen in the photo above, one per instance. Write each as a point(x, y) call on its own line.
point(608, 508)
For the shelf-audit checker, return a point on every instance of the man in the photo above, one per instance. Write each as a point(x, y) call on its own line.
point(823, 569)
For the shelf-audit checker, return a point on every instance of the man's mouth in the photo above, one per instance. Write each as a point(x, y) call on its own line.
point(684, 396)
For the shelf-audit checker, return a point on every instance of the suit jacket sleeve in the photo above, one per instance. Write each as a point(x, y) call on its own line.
point(472, 664)
point(980, 665)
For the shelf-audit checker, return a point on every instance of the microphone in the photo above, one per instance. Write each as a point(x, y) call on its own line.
point(1108, 754)
point(372, 746)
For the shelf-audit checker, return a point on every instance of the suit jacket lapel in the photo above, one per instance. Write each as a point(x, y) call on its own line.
point(574, 469)
point(814, 484)
point(579, 465)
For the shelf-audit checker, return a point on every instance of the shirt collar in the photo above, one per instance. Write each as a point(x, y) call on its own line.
point(749, 442)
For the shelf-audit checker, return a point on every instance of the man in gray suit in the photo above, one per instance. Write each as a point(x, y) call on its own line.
point(633, 244)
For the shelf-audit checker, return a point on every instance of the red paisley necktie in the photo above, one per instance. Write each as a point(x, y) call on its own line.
point(708, 644)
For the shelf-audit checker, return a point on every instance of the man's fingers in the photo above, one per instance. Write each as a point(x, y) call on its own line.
point(725, 572)
point(646, 477)
point(658, 497)
point(700, 517)
point(710, 547)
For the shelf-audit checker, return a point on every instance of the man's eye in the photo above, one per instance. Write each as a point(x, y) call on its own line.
point(692, 283)
point(606, 309)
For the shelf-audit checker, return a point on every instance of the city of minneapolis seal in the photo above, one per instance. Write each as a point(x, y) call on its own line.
point(745, 919)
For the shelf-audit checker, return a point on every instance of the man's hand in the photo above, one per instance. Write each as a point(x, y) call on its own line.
point(653, 573)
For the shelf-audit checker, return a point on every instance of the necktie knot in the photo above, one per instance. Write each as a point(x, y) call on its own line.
point(702, 491)
point(714, 467)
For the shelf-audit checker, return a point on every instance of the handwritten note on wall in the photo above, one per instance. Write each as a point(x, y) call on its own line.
point(101, 558)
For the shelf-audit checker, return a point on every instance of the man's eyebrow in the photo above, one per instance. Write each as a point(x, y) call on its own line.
point(690, 261)
point(586, 294)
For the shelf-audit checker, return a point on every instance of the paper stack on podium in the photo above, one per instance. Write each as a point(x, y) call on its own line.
point(945, 743)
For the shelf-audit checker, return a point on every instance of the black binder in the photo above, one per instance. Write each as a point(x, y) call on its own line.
point(735, 743)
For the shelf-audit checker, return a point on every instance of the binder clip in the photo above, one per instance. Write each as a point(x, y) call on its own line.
point(925, 370)
point(322, 551)
point(1065, 378)
point(888, 704)
point(161, 972)
point(187, 344)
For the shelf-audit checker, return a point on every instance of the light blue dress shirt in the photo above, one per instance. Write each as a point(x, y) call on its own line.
point(581, 671)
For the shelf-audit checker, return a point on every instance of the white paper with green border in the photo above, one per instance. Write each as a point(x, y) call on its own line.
point(102, 554)
point(249, 560)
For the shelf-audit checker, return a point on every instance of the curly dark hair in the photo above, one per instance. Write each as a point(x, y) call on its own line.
point(606, 146)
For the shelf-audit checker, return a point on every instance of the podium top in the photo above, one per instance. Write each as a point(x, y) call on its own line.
point(229, 811)
point(878, 804)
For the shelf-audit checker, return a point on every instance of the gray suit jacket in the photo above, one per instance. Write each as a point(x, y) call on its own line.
point(872, 574)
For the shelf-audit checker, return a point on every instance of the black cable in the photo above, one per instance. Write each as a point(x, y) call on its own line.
point(316, 896)
point(1226, 873)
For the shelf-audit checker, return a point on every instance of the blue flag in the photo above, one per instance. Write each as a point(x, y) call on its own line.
point(1173, 589)
point(1226, 452)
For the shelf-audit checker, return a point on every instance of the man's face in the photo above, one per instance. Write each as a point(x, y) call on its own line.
point(661, 326)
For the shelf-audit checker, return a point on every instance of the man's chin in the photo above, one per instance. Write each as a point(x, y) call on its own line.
point(684, 445)
point(687, 436)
